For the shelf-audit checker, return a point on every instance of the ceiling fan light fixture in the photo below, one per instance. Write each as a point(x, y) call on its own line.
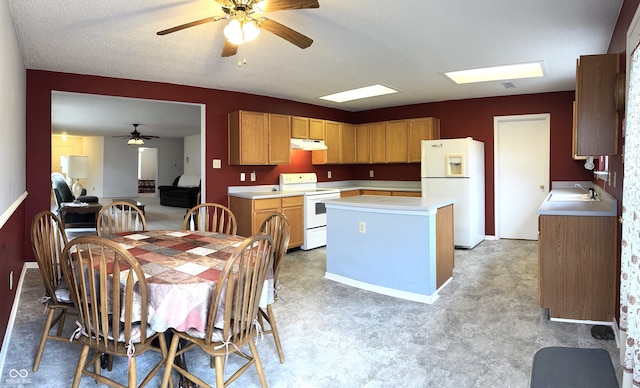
point(238, 32)
point(135, 142)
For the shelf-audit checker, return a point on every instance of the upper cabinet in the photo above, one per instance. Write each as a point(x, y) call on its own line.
point(595, 124)
point(426, 128)
point(259, 138)
point(299, 127)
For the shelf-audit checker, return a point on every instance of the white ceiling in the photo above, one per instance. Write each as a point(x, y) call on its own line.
point(406, 45)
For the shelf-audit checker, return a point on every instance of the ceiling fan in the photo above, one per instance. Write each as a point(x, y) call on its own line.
point(136, 137)
point(244, 27)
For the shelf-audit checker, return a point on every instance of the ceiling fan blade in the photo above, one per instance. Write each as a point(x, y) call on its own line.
point(280, 5)
point(149, 137)
point(285, 32)
point(229, 49)
point(192, 24)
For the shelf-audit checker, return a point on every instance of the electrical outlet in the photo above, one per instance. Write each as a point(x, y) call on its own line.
point(329, 174)
point(614, 179)
point(370, 173)
point(242, 177)
point(11, 280)
point(253, 176)
point(361, 227)
point(217, 163)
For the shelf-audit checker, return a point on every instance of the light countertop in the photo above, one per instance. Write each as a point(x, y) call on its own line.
point(389, 203)
point(606, 207)
point(273, 191)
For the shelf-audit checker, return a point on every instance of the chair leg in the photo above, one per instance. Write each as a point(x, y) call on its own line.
point(81, 361)
point(219, 365)
point(43, 339)
point(132, 373)
point(258, 363)
point(170, 359)
point(276, 336)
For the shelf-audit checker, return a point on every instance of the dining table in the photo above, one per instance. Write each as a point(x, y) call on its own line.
point(181, 269)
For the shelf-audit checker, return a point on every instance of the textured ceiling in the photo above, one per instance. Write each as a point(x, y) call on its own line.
point(406, 45)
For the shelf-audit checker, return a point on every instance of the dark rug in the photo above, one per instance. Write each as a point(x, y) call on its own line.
point(572, 367)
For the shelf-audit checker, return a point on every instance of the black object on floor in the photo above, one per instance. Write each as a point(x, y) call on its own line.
point(602, 332)
point(572, 367)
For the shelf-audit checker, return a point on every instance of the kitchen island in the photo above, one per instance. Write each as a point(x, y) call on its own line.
point(397, 246)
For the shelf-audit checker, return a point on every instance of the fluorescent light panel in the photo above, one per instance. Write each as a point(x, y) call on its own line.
point(356, 94)
point(497, 73)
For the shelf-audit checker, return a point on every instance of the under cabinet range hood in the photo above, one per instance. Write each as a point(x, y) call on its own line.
point(307, 145)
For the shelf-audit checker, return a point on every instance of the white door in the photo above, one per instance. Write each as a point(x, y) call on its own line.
point(521, 173)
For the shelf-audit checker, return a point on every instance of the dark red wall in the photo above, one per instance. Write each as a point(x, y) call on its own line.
point(12, 257)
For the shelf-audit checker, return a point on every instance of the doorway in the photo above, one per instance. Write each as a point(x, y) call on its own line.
point(521, 161)
point(147, 171)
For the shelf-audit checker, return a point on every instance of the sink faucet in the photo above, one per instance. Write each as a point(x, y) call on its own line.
point(591, 191)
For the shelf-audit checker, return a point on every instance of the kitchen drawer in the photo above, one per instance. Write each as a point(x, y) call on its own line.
point(270, 203)
point(292, 201)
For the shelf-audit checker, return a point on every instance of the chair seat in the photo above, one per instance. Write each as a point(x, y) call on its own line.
point(62, 293)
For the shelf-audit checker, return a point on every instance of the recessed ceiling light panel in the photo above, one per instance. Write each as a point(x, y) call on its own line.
point(497, 73)
point(356, 94)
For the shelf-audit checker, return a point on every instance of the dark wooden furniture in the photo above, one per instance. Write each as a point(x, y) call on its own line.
point(68, 208)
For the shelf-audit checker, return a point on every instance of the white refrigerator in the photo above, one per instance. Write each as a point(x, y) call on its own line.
point(454, 168)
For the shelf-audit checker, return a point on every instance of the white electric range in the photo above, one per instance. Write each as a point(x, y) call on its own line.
point(315, 213)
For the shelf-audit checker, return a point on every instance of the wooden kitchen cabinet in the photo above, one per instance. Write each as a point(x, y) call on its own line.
point(316, 129)
point(406, 193)
point(259, 138)
point(251, 213)
point(375, 192)
point(363, 147)
point(348, 134)
point(595, 130)
point(293, 208)
point(397, 141)
point(427, 128)
point(577, 267)
point(299, 127)
point(279, 139)
point(333, 141)
point(349, 193)
point(377, 140)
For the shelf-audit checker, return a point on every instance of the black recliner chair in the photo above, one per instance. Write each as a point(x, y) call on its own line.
point(63, 194)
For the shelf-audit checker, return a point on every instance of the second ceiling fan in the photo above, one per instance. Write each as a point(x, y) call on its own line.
point(244, 27)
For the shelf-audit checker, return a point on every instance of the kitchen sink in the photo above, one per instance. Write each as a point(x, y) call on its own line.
point(572, 197)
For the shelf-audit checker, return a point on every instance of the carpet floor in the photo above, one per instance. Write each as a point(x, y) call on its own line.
point(483, 331)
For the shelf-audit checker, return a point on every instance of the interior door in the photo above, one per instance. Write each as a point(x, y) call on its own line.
point(521, 173)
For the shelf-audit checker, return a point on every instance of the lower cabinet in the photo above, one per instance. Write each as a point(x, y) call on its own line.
point(577, 267)
point(250, 213)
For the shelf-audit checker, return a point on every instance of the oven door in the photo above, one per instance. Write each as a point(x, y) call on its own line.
point(315, 210)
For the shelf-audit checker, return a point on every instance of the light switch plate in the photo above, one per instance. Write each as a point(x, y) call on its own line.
point(217, 163)
point(370, 173)
point(242, 177)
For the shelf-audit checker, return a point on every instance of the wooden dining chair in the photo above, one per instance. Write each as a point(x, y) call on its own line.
point(48, 239)
point(109, 290)
point(210, 217)
point(120, 216)
point(277, 226)
point(234, 307)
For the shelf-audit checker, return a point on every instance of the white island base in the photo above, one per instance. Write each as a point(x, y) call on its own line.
point(396, 246)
